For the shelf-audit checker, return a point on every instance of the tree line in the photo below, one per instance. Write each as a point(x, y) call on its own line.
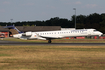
point(95, 20)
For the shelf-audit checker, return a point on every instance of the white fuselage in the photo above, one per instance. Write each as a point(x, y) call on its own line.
point(45, 35)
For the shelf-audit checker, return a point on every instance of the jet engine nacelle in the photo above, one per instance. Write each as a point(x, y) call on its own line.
point(28, 33)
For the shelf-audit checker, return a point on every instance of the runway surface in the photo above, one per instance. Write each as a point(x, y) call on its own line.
point(2, 42)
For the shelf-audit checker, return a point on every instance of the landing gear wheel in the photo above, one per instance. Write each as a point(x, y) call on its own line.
point(49, 41)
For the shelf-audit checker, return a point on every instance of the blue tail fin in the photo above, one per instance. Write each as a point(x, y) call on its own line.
point(13, 30)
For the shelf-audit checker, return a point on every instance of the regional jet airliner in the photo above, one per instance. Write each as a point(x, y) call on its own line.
point(48, 35)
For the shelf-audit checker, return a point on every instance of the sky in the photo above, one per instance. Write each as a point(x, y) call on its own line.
point(42, 10)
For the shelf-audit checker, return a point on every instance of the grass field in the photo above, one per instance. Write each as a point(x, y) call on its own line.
point(52, 57)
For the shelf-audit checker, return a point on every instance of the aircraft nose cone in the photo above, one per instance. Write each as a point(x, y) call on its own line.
point(101, 34)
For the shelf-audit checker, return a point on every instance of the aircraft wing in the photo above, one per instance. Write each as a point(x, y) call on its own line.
point(52, 37)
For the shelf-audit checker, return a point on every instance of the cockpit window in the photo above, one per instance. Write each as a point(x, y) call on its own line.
point(95, 30)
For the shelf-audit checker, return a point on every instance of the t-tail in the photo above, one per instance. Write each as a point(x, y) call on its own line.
point(13, 30)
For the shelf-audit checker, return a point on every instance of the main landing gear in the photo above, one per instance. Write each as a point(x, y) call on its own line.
point(49, 41)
